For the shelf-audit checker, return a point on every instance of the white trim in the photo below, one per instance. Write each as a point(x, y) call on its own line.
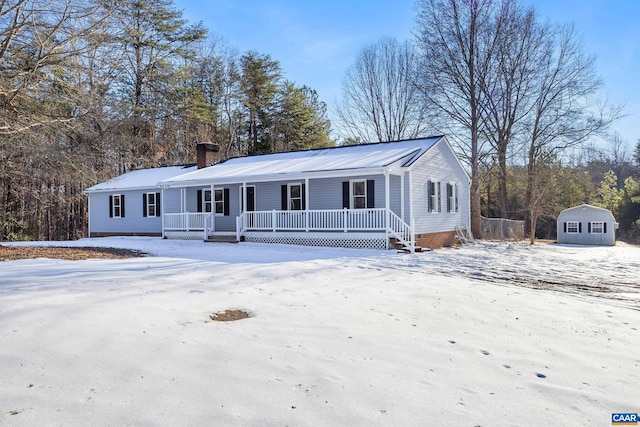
point(277, 177)
point(577, 227)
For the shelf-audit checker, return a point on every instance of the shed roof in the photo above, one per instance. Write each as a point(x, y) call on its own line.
point(585, 206)
point(344, 158)
point(140, 179)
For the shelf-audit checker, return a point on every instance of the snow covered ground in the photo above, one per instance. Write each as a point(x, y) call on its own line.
point(492, 334)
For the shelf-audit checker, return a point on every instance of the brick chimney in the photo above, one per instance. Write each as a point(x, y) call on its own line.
point(206, 153)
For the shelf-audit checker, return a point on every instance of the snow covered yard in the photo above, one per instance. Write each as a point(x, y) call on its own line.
point(494, 334)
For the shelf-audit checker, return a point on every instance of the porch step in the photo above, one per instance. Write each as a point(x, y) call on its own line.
point(221, 239)
point(416, 249)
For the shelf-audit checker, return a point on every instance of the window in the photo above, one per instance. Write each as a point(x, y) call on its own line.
point(219, 201)
point(151, 204)
point(434, 201)
point(573, 227)
point(597, 227)
point(295, 197)
point(452, 197)
point(206, 201)
point(359, 194)
point(455, 196)
point(116, 206)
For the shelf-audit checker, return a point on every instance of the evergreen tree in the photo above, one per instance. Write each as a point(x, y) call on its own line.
point(259, 86)
point(301, 119)
point(153, 37)
point(608, 196)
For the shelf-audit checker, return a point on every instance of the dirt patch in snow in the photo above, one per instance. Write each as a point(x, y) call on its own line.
point(229, 316)
point(11, 253)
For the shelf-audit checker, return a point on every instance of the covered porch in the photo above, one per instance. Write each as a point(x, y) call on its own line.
point(350, 227)
point(298, 211)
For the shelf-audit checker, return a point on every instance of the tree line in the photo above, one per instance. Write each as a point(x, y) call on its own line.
point(516, 94)
point(92, 89)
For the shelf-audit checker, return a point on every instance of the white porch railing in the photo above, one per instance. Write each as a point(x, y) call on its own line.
point(378, 219)
point(187, 221)
point(315, 220)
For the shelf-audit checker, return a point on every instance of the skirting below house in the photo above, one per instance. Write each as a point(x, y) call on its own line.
point(436, 240)
point(109, 234)
point(184, 235)
point(371, 240)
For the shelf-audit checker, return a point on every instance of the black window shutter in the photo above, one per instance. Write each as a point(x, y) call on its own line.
point(588, 227)
point(565, 227)
point(304, 197)
point(345, 194)
point(579, 227)
point(371, 193)
point(605, 228)
point(110, 206)
point(449, 192)
point(122, 205)
point(226, 201)
point(429, 198)
point(144, 204)
point(283, 197)
point(158, 204)
point(199, 200)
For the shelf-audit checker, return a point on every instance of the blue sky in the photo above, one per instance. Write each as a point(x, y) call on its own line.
point(315, 42)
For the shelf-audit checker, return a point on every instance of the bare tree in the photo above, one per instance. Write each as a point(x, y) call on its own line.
point(37, 40)
point(380, 102)
point(458, 42)
point(508, 93)
point(565, 110)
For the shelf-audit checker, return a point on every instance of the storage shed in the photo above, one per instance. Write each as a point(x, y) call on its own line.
point(587, 225)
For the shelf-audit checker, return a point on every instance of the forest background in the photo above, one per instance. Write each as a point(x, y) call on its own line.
point(92, 89)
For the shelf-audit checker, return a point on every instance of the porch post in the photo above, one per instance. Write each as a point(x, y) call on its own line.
point(244, 206)
point(183, 201)
point(162, 209)
point(386, 198)
point(402, 197)
point(306, 204)
point(212, 214)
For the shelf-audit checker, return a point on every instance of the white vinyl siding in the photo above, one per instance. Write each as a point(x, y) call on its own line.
point(438, 164)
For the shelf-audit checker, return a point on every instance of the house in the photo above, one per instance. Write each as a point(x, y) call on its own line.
point(130, 204)
point(411, 192)
point(586, 225)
